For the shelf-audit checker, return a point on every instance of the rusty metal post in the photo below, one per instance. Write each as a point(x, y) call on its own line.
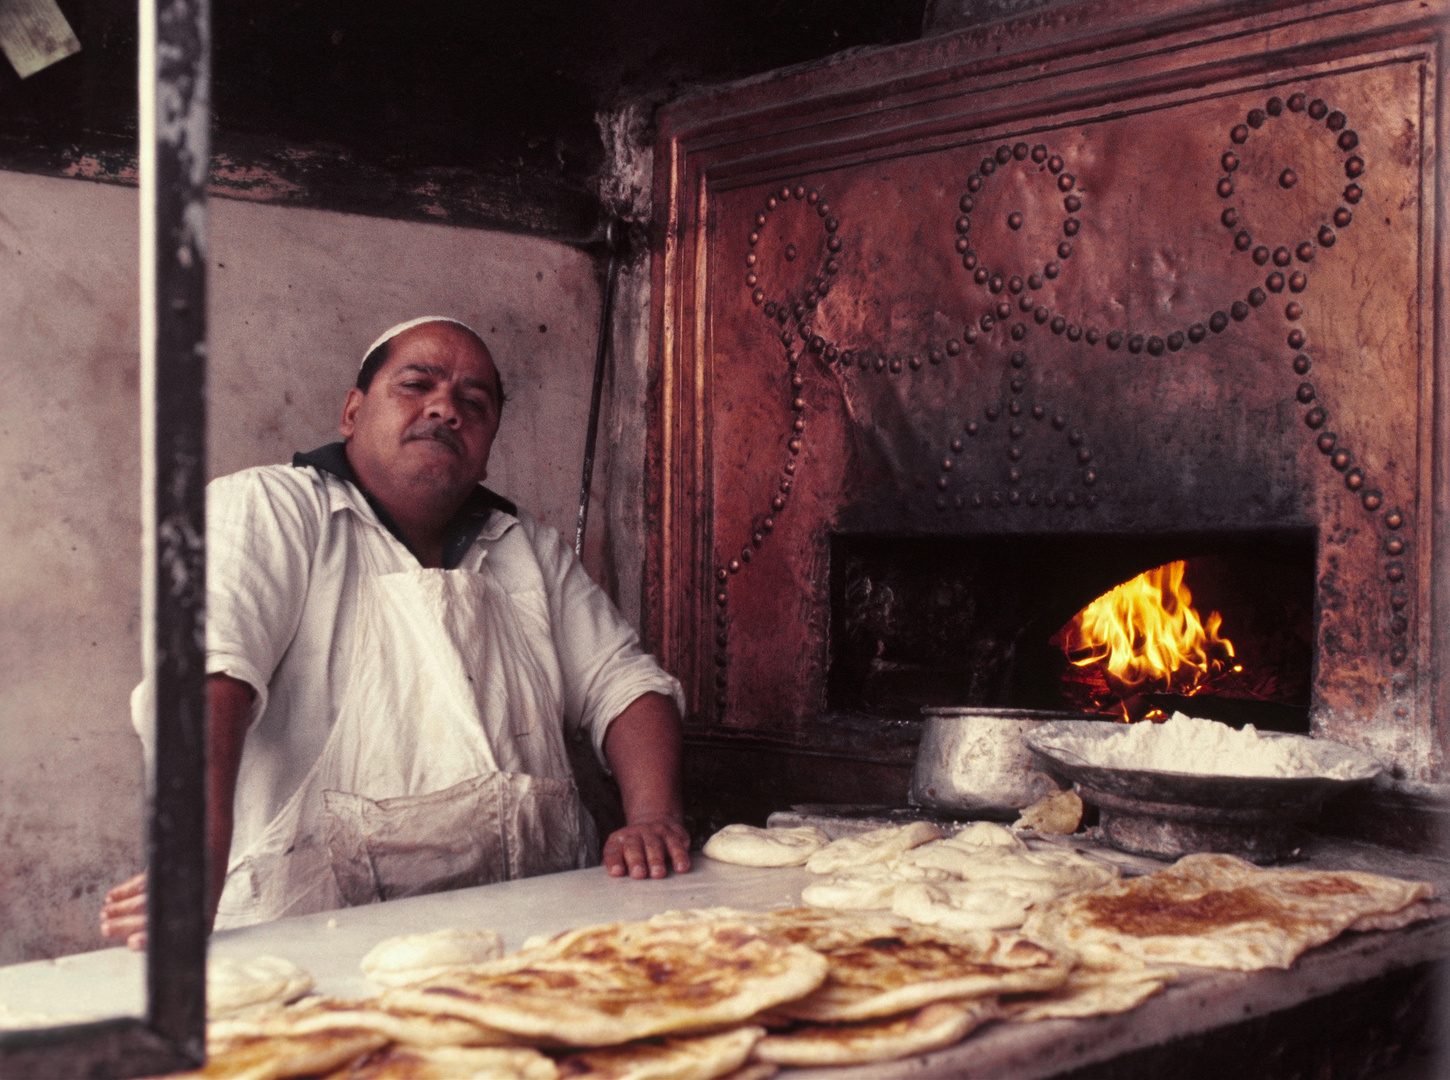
point(174, 123)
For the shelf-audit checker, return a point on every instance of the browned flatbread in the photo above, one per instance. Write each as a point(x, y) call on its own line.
point(316, 1014)
point(611, 984)
point(1218, 911)
point(753, 1070)
point(931, 1028)
point(1091, 992)
point(878, 968)
point(279, 1057)
point(1419, 911)
point(704, 1057)
point(450, 1063)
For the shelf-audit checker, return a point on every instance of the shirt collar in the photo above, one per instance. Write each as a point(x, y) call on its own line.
point(484, 513)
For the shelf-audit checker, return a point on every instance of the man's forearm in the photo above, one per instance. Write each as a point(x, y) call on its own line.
point(229, 708)
point(643, 747)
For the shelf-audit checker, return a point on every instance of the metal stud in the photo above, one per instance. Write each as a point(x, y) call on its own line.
point(1326, 236)
point(1348, 140)
point(957, 446)
point(1296, 339)
point(1275, 282)
point(1343, 217)
point(914, 362)
point(1293, 309)
point(1230, 161)
point(1059, 324)
point(1040, 314)
point(1197, 332)
point(1064, 250)
point(973, 427)
point(1274, 106)
point(1054, 164)
point(1335, 120)
point(1066, 181)
point(800, 191)
point(1003, 154)
point(1371, 500)
point(1257, 296)
point(1014, 220)
point(1305, 392)
point(1340, 459)
point(1114, 340)
point(1353, 193)
point(1239, 310)
point(974, 183)
point(1015, 408)
point(1398, 655)
point(954, 347)
point(1155, 345)
point(995, 285)
point(1092, 335)
point(1316, 417)
point(1317, 109)
point(1242, 240)
point(771, 203)
point(936, 356)
point(896, 364)
point(988, 166)
point(813, 196)
point(1135, 343)
point(1298, 281)
point(1014, 452)
point(1004, 309)
point(1394, 545)
point(1074, 332)
point(986, 322)
point(1256, 118)
point(1239, 134)
point(993, 412)
point(1039, 153)
point(1038, 412)
point(1354, 168)
point(1175, 341)
point(1325, 442)
point(1301, 364)
point(1075, 437)
point(1394, 519)
point(1052, 270)
point(1261, 255)
point(1395, 571)
point(790, 252)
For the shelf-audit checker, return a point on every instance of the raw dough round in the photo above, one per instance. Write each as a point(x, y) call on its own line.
point(232, 985)
point(411, 958)
point(745, 845)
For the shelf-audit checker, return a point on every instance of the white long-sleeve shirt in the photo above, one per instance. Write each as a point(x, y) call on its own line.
point(283, 565)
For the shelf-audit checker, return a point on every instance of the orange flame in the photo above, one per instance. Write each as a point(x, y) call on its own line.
point(1146, 635)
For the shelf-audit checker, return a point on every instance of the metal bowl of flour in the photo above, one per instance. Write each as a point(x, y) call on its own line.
point(1167, 814)
point(971, 760)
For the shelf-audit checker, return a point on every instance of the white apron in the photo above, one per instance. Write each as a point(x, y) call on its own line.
point(445, 767)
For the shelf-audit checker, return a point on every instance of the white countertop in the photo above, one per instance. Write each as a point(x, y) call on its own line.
point(110, 982)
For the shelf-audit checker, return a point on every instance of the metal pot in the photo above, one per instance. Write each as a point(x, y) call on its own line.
point(972, 759)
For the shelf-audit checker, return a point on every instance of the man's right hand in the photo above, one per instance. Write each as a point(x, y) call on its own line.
point(123, 916)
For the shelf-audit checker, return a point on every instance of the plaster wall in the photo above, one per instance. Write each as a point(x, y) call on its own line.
point(296, 295)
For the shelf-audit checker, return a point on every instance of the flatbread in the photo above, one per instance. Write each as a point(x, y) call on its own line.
point(931, 1028)
point(866, 888)
point(611, 984)
point(412, 958)
point(966, 906)
point(988, 834)
point(315, 1014)
point(1091, 992)
point(875, 846)
point(879, 969)
point(753, 1070)
point(745, 845)
point(232, 985)
point(1218, 911)
point(450, 1063)
point(705, 1057)
point(276, 1057)
point(1056, 815)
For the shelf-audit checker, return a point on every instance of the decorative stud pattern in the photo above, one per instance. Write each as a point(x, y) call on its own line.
point(1015, 305)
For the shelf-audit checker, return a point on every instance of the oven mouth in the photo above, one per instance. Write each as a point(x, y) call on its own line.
point(940, 621)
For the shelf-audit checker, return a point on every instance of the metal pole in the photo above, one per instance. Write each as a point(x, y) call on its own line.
point(611, 238)
point(175, 120)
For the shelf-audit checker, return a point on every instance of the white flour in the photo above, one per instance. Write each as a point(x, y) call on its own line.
point(1186, 744)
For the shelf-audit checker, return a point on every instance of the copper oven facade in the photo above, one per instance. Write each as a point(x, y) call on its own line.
point(1120, 268)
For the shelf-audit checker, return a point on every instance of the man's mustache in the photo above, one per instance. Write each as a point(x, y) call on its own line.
point(432, 429)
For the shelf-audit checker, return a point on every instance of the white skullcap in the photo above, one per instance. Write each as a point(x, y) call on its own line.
point(393, 331)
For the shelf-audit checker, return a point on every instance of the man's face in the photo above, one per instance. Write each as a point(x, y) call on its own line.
point(425, 426)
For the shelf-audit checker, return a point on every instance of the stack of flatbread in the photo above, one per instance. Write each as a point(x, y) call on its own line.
point(695, 995)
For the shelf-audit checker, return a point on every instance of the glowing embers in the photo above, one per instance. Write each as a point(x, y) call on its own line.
point(1143, 638)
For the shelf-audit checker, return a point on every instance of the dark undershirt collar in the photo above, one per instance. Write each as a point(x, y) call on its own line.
point(462, 529)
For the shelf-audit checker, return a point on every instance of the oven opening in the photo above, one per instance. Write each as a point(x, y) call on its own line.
point(1219, 626)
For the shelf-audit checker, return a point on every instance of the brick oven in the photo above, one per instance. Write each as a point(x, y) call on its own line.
point(951, 337)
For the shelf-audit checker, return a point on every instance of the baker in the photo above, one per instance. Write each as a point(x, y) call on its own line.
point(395, 657)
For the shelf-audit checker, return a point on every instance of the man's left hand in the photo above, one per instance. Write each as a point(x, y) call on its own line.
point(648, 849)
